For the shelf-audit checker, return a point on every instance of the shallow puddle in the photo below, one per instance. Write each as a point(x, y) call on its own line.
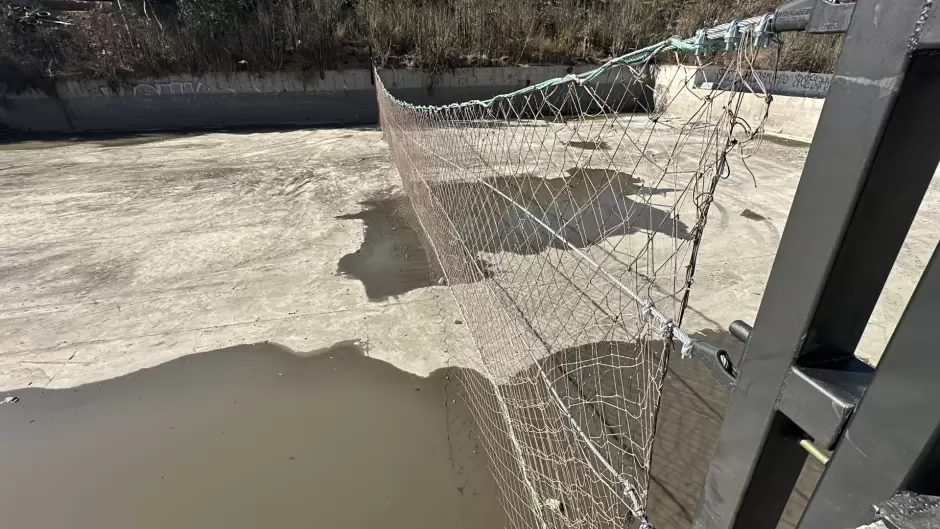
point(258, 436)
point(692, 407)
point(391, 260)
point(244, 437)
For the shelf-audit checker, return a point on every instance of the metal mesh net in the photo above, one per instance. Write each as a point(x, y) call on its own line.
point(566, 220)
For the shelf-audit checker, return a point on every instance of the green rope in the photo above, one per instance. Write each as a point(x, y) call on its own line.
point(634, 57)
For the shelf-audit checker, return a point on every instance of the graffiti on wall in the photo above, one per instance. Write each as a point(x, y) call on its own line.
point(802, 84)
point(166, 89)
point(161, 89)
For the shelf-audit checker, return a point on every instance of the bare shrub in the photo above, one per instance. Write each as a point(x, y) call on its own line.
point(142, 37)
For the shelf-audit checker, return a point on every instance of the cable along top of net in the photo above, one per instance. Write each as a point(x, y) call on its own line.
point(706, 40)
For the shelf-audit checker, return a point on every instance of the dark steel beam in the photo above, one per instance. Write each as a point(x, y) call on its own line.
point(851, 211)
point(891, 441)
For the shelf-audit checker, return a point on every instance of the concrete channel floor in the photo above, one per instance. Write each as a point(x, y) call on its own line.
point(122, 259)
point(119, 255)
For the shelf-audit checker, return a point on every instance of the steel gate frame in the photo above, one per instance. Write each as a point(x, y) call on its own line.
point(873, 156)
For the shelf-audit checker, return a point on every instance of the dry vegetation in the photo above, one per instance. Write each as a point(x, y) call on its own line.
point(125, 38)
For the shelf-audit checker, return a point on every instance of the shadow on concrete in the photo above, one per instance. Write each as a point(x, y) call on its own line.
point(692, 407)
point(589, 145)
point(591, 379)
point(244, 437)
point(585, 207)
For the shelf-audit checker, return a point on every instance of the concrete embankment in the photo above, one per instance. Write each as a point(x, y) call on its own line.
point(348, 97)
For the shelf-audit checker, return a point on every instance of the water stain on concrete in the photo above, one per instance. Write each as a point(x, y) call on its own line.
point(391, 260)
point(137, 139)
point(752, 215)
point(589, 145)
point(33, 145)
point(99, 140)
point(244, 437)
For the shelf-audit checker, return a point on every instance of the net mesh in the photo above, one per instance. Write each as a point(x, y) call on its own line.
point(566, 219)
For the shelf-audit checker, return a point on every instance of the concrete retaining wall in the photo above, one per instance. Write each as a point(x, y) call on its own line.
point(189, 102)
point(791, 116)
point(195, 102)
point(251, 100)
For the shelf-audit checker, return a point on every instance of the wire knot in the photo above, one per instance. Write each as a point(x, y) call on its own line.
point(667, 328)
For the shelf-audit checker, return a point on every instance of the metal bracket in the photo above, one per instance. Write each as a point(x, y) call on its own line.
point(814, 16)
point(718, 362)
point(733, 35)
point(820, 399)
point(764, 32)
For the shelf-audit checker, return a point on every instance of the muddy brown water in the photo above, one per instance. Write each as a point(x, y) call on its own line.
point(257, 435)
point(249, 436)
point(692, 405)
point(691, 410)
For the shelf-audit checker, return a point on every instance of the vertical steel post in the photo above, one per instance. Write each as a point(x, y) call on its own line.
point(891, 441)
point(857, 197)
